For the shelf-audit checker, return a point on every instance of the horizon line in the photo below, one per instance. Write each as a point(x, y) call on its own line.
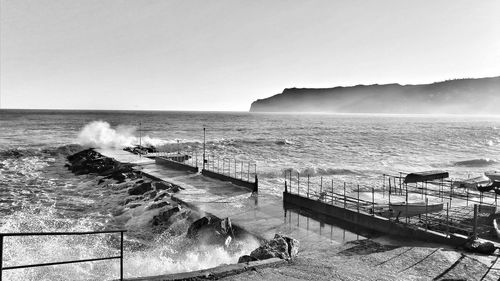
point(271, 113)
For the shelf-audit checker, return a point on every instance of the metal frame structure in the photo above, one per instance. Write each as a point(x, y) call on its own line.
point(2, 235)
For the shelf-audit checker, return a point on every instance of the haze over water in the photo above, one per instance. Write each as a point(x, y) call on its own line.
point(38, 194)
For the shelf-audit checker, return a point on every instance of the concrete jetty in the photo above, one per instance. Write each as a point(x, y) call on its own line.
point(260, 214)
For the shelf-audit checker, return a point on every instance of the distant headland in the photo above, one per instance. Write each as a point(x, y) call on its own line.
point(461, 96)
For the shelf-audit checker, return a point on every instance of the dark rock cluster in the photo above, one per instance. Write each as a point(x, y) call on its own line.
point(141, 190)
point(153, 208)
point(89, 161)
point(139, 149)
point(280, 246)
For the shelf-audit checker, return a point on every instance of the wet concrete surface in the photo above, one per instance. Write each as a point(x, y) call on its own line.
point(261, 214)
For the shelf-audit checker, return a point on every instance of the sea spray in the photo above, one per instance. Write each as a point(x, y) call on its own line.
point(168, 253)
point(100, 134)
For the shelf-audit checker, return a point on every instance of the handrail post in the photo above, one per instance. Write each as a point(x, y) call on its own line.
point(447, 219)
point(426, 213)
point(407, 203)
point(345, 201)
point(298, 183)
point(121, 255)
point(373, 201)
point(203, 148)
point(307, 185)
point(1, 256)
point(383, 185)
point(332, 192)
point(474, 226)
point(358, 198)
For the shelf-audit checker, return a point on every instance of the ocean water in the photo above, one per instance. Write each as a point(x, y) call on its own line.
point(38, 194)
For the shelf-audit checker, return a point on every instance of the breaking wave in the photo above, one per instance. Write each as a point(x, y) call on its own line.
point(100, 134)
point(165, 254)
point(481, 162)
point(311, 171)
point(259, 142)
point(64, 150)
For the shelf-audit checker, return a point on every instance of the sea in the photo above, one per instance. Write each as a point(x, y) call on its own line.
point(38, 194)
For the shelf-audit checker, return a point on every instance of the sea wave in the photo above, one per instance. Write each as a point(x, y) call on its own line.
point(242, 142)
point(309, 171)
point(480, 162)
point(100, 134)
point(63, 150)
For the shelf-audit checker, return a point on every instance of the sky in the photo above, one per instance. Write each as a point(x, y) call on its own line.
point(224, 54)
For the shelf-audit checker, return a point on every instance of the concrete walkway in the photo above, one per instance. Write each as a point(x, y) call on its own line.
point(261, 214)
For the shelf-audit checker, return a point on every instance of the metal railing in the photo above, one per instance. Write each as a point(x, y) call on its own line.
point(2, 235)
point(448, 220)
point(231, 167)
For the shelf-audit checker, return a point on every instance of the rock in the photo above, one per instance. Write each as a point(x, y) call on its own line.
point(161, 195)
point(246, 258)
point(132, 198)
point(197, 225)
point(280, 246)
point(140, 189)
point(175, 188)
point(212, 230)
point(476, 246)
point(486, 248)
point(118, 176)
point(89, 161)
point(162, 185)
point(158, 205)
point(133, 205)
point(164, 216)
point(275, 248)
point(150, 194)
point(293, 246)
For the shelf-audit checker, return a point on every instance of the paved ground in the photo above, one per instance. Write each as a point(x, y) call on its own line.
point(367, 260)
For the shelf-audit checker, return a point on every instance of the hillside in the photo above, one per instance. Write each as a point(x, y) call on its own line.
point(462, 96)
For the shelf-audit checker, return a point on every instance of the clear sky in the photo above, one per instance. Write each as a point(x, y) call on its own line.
point(224, 54)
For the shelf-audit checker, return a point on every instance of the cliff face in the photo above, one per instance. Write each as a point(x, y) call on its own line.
point(463, 96)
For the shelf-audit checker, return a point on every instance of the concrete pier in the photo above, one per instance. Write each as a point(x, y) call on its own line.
point(260, 214)
point(374, 222)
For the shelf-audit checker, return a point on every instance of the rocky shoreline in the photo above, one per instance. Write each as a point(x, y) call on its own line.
point(148, 207)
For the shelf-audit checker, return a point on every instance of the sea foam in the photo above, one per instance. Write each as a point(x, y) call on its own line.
point(101, 134)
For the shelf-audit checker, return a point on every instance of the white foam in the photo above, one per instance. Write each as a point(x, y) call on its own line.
point(100, 134)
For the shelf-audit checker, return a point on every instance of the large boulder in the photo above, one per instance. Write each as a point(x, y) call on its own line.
point(293, 246)
point(162, 185)
point(212, 230)
point(163, 217)
point(280, 246)
point(140, 189)
point(246, 258)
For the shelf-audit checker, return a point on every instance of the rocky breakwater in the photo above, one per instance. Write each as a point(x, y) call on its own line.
point(149, 211)
point(140, 203)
